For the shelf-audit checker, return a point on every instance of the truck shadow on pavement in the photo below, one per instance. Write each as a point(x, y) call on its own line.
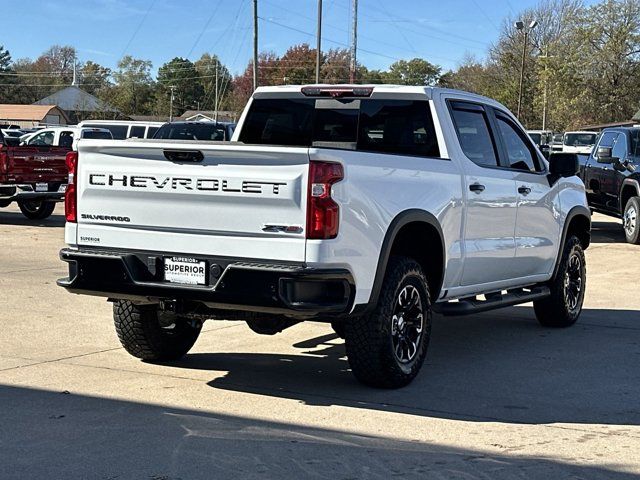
point(16, 218)
point(607, 232)
point(49, 434)
point(499, 367)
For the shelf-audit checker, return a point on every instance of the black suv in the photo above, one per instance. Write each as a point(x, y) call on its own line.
point(611, 175)
point(202, 130)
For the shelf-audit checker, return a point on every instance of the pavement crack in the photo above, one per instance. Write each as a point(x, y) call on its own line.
point(61, 359)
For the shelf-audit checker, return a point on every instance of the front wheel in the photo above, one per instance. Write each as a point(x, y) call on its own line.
point(151, 335)
point(630, 220)
point(36, 209)
point(562, 308)
point(387, 348)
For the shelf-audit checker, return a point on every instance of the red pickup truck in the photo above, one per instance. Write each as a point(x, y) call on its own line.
point(34, 176)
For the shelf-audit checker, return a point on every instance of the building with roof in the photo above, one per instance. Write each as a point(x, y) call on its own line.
point(635, 120)
point(80, 105)
point(32, 115)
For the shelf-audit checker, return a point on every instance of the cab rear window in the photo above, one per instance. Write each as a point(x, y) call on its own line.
point(390, 126)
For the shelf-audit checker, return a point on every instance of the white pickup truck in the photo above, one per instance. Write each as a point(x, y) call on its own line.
point(365, 206)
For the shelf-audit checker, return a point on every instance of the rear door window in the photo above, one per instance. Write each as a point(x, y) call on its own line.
point(472, 126)
point(66, 139)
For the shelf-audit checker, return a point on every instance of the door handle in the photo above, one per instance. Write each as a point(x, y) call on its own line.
point(476, 187)
point(524, 190)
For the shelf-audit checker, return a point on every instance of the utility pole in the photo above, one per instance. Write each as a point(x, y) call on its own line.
point(216, 101)
point(172, 87)
point(255, 44)
point(520, 26)
point(319, 44)
point(354, 42)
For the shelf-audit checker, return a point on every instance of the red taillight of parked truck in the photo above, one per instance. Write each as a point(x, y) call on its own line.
point(4, 161)
point(70, 196)
point(323, 213)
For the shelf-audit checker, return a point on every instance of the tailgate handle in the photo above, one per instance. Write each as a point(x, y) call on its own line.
point(183, 155)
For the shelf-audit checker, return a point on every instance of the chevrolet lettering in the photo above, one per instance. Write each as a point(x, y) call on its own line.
point(182, 183)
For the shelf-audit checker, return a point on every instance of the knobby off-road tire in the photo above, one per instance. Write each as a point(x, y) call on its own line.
point(142, 335)
point(631, 220)
point(563, 307)
point(387, 347)
point(36, 209)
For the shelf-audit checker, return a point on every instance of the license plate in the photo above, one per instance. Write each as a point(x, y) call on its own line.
point(183, 270)
point(42, 187)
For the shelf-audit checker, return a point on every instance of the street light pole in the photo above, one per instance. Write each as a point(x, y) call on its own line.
point(521, 27)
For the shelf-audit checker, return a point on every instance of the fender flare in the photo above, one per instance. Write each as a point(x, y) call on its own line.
point(402, 219)
point(578, 210)
point(628, 181)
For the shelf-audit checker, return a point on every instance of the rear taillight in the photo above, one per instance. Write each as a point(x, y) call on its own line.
point(70, 196)
point(323, 213)
point(4, 162)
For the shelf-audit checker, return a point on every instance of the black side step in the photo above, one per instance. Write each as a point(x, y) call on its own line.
point(468, 305)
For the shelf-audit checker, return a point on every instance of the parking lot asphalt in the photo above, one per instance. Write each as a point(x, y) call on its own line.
point(499, 397)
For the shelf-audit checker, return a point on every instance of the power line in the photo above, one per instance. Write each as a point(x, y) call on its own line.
point(489, 19)
point(204, 28)
point(137, 29)
point(327, 39)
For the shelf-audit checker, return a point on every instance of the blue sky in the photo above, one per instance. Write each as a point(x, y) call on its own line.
point(441, 31)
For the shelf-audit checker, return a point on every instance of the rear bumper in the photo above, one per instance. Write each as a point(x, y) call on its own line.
point(28, 191)
point(232, 284)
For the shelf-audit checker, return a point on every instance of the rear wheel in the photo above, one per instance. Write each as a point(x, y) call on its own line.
point(630, 220)
point(387, 348)
point(36, 209)
point(151, 335)
point(562, 308)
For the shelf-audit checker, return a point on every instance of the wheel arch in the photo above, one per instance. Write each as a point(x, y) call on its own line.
point(630, 188)
point(578, 222)
point(397, 240)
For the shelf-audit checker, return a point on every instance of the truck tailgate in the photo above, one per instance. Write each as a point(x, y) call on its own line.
point(36, 164)
point(215, 199)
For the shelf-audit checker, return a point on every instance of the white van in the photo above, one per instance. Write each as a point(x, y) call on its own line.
point(123, 129)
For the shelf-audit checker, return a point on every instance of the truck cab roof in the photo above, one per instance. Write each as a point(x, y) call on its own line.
point(376, 90)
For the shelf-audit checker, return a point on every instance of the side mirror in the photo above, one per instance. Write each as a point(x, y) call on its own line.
point(603, 155)
point(563, 164)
